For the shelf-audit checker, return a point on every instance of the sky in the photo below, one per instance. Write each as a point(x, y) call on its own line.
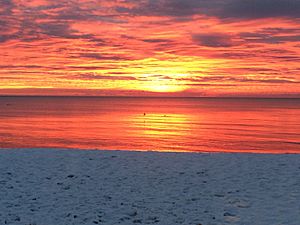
point(150, 47)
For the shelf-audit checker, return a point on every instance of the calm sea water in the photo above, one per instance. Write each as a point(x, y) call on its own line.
point(164, 124)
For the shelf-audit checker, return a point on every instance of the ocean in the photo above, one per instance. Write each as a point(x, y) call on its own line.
point(151, 124)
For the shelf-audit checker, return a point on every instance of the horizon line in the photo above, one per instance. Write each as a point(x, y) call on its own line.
point(133, 96)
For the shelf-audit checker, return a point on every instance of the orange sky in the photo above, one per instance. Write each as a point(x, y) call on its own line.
point(150, 47)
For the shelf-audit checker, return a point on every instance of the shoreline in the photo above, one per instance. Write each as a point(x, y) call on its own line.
point(55, 186)
point(255, 152)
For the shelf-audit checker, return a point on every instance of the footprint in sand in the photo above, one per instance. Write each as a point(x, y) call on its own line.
point(229, 217)
point(240, 203)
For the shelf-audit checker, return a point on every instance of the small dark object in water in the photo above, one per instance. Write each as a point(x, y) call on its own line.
point(144, 114)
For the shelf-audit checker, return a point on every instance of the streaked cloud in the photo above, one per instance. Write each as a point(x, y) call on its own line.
point(101, 77)
point(245, 9)
point(253, 9)
point(213, 39)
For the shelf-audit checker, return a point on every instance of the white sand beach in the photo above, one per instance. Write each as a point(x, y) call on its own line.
point(64, 187)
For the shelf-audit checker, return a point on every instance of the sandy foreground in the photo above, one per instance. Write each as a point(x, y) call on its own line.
point(62, 187)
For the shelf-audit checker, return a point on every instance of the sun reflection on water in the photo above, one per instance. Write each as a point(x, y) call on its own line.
point(155, 124)
point(162, 125)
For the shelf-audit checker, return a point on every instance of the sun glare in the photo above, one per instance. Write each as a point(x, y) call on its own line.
point(162, 86)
